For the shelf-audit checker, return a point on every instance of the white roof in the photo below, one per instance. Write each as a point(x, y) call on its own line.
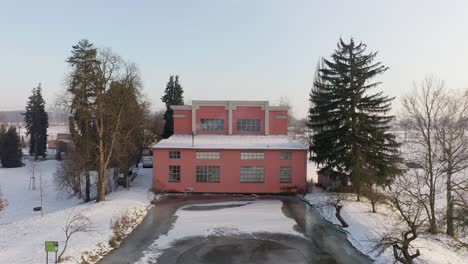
point(230, 142)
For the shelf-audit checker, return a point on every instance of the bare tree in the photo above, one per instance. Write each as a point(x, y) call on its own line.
point(411, 220)
point(451, 129)
point(422, 110)
point(374, 195)
point(76, 223)
point(284, 101)
point(335, 202)
point(109, 111)
point(68, 177)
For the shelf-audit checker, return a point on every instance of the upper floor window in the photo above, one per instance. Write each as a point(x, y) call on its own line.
point(286, 156)
point(174, 154)
point(252, 155)
point(248, 125)
point(212, 124)
point(208, 155)
point(174, 173)
point(252, 174)
point(208, 173)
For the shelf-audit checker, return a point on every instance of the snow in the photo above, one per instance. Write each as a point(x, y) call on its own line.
point(253, 216)
point(231, 142)
point(24, 231)
point(366, 227)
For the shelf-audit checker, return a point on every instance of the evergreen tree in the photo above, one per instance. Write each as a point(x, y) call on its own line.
point(352, 139)
point(36, 121)
point(11, 148)
point(82, 83)
point(173, 95)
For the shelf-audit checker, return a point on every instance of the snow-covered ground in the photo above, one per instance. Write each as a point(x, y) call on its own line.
point(366, 227)
point(23, 231)
point(233, 220)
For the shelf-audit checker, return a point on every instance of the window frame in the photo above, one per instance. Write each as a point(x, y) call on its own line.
point(285, 178)
point(174, 171)
point(252, 176)
point(288, 155)
point(205, 126)
point(252, 155)
point(175, 154)
point(208, 155)
point(208, 174)
point(249, 125)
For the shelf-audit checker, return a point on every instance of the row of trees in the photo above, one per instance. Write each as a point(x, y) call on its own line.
point(108, 119)
point(352, 142)
point(437, 123)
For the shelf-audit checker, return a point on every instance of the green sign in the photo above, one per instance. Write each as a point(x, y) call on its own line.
point(51, 246)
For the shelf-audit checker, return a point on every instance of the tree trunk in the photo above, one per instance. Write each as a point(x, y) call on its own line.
point(88, 186)
point(101, 175)
point(450, 229)
point(338, 215)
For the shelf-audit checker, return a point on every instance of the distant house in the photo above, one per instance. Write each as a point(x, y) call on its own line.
point(61, 142)
point(230, 147)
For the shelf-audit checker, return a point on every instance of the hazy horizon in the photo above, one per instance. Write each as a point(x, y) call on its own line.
point(231, 50)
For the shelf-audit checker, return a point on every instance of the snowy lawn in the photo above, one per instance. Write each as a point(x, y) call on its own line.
point(228, 221)
point(23, 231)
point(366, 227)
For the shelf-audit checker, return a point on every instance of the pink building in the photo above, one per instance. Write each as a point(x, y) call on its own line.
point(230, 147)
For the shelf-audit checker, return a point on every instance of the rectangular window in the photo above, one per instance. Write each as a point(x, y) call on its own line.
point(252, 155)
point(286, 156)
point(208, 173)
point(174, 154)
point(252, 174)
point(174, 173)
point(208, 155)
point(248, 125)
point(212, 124)
point(285, 175)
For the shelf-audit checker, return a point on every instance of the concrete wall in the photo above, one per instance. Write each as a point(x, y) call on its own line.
point(230, 164)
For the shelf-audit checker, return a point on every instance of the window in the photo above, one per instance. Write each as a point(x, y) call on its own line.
point(285, 175)
point(208, 155)
point(252, 155)
point(174, 173)
point(212, 124)
point(252, 174)
point(174, 154)
point(286, 156)
point(248, 125)
point(208, 173)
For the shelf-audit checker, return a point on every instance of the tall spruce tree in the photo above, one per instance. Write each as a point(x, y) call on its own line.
point(351, 125)
point(37, 122)
point(11, 156)
point(173, 95)
point(82, 82)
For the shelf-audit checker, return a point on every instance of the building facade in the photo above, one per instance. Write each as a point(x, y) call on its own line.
point(230, 147)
